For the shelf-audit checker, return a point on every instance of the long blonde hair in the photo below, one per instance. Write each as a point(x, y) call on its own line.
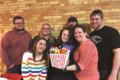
point(41, 35)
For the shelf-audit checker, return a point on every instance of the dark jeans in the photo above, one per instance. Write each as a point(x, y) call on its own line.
point(104, 74)
point(15, 69)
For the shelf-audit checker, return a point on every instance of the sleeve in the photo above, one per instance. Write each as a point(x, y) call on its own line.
point(77, 67)
point(25, 67)
point(44, 71)
point(86, 53)
point(5, 44)
point(114, 39)
point(32, 42)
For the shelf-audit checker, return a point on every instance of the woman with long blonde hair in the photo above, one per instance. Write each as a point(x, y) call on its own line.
point(44, 33)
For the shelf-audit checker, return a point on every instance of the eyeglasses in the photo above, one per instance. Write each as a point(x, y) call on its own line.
point(19, 23)
point(46, 28)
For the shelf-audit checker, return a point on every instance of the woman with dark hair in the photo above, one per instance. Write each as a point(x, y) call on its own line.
point(35, 62)
point(85, 56)
point(44, 33)
point(63, 41)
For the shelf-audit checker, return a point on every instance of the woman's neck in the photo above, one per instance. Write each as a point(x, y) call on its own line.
point(46, 37)
point(85, 39)
point(37, 54)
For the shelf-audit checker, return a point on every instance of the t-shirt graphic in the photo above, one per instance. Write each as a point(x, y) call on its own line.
point(96, 39)
point(70, 47)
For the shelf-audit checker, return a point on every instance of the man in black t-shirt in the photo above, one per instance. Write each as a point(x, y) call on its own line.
point(107, 41)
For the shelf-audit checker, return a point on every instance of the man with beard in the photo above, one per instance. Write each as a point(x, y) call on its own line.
point(107, 41)
point(13, 44)
point(72, 21)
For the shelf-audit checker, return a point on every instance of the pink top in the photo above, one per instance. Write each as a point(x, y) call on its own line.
point(13, 45)
point(87, 58)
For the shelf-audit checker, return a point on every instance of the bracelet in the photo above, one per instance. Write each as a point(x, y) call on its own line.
point(65, 69)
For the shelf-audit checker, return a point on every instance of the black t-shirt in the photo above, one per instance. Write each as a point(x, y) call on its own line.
point(106, 39)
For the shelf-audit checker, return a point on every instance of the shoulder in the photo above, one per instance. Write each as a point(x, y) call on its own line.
point(9, 32)
point(109, 29)
point(8, 35)
point(111, 32)
point(106, 30)
point(27, 54)
point(37, 36)
point(27, 32)
point(88, 45)
point(89, 42)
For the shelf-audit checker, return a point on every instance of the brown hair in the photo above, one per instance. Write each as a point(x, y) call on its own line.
point(59, 40)
point(83, 29)
point(33, 50)
point(17, 17)
point(97, 12)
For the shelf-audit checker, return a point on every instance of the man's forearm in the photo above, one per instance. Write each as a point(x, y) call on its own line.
point(116, 62)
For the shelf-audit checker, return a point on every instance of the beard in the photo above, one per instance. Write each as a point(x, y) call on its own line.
point(19, 29)
point(71, 26)
point(97, 27)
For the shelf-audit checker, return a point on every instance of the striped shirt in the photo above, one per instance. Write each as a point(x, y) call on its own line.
point(33, 70)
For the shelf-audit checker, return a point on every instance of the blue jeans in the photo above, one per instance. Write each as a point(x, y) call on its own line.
point(15, 69)
point(104, 74)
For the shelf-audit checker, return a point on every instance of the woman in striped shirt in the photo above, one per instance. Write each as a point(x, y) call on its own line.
point(35, 61)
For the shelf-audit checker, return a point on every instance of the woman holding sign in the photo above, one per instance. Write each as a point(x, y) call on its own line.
point(35, 62)
point(85, 57)
point(64, 40)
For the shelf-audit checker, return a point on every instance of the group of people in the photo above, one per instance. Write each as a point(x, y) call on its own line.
point(94, 57)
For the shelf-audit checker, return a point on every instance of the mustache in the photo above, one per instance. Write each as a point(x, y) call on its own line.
point(71, 25)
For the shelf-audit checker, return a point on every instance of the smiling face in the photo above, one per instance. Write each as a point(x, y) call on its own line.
point(19, 24)
point(40, 46)
point(46, 30)
point(96, 22)
point(79, 35)
point(65, 35)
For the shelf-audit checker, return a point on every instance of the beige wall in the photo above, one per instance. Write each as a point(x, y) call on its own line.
point(56, 13)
